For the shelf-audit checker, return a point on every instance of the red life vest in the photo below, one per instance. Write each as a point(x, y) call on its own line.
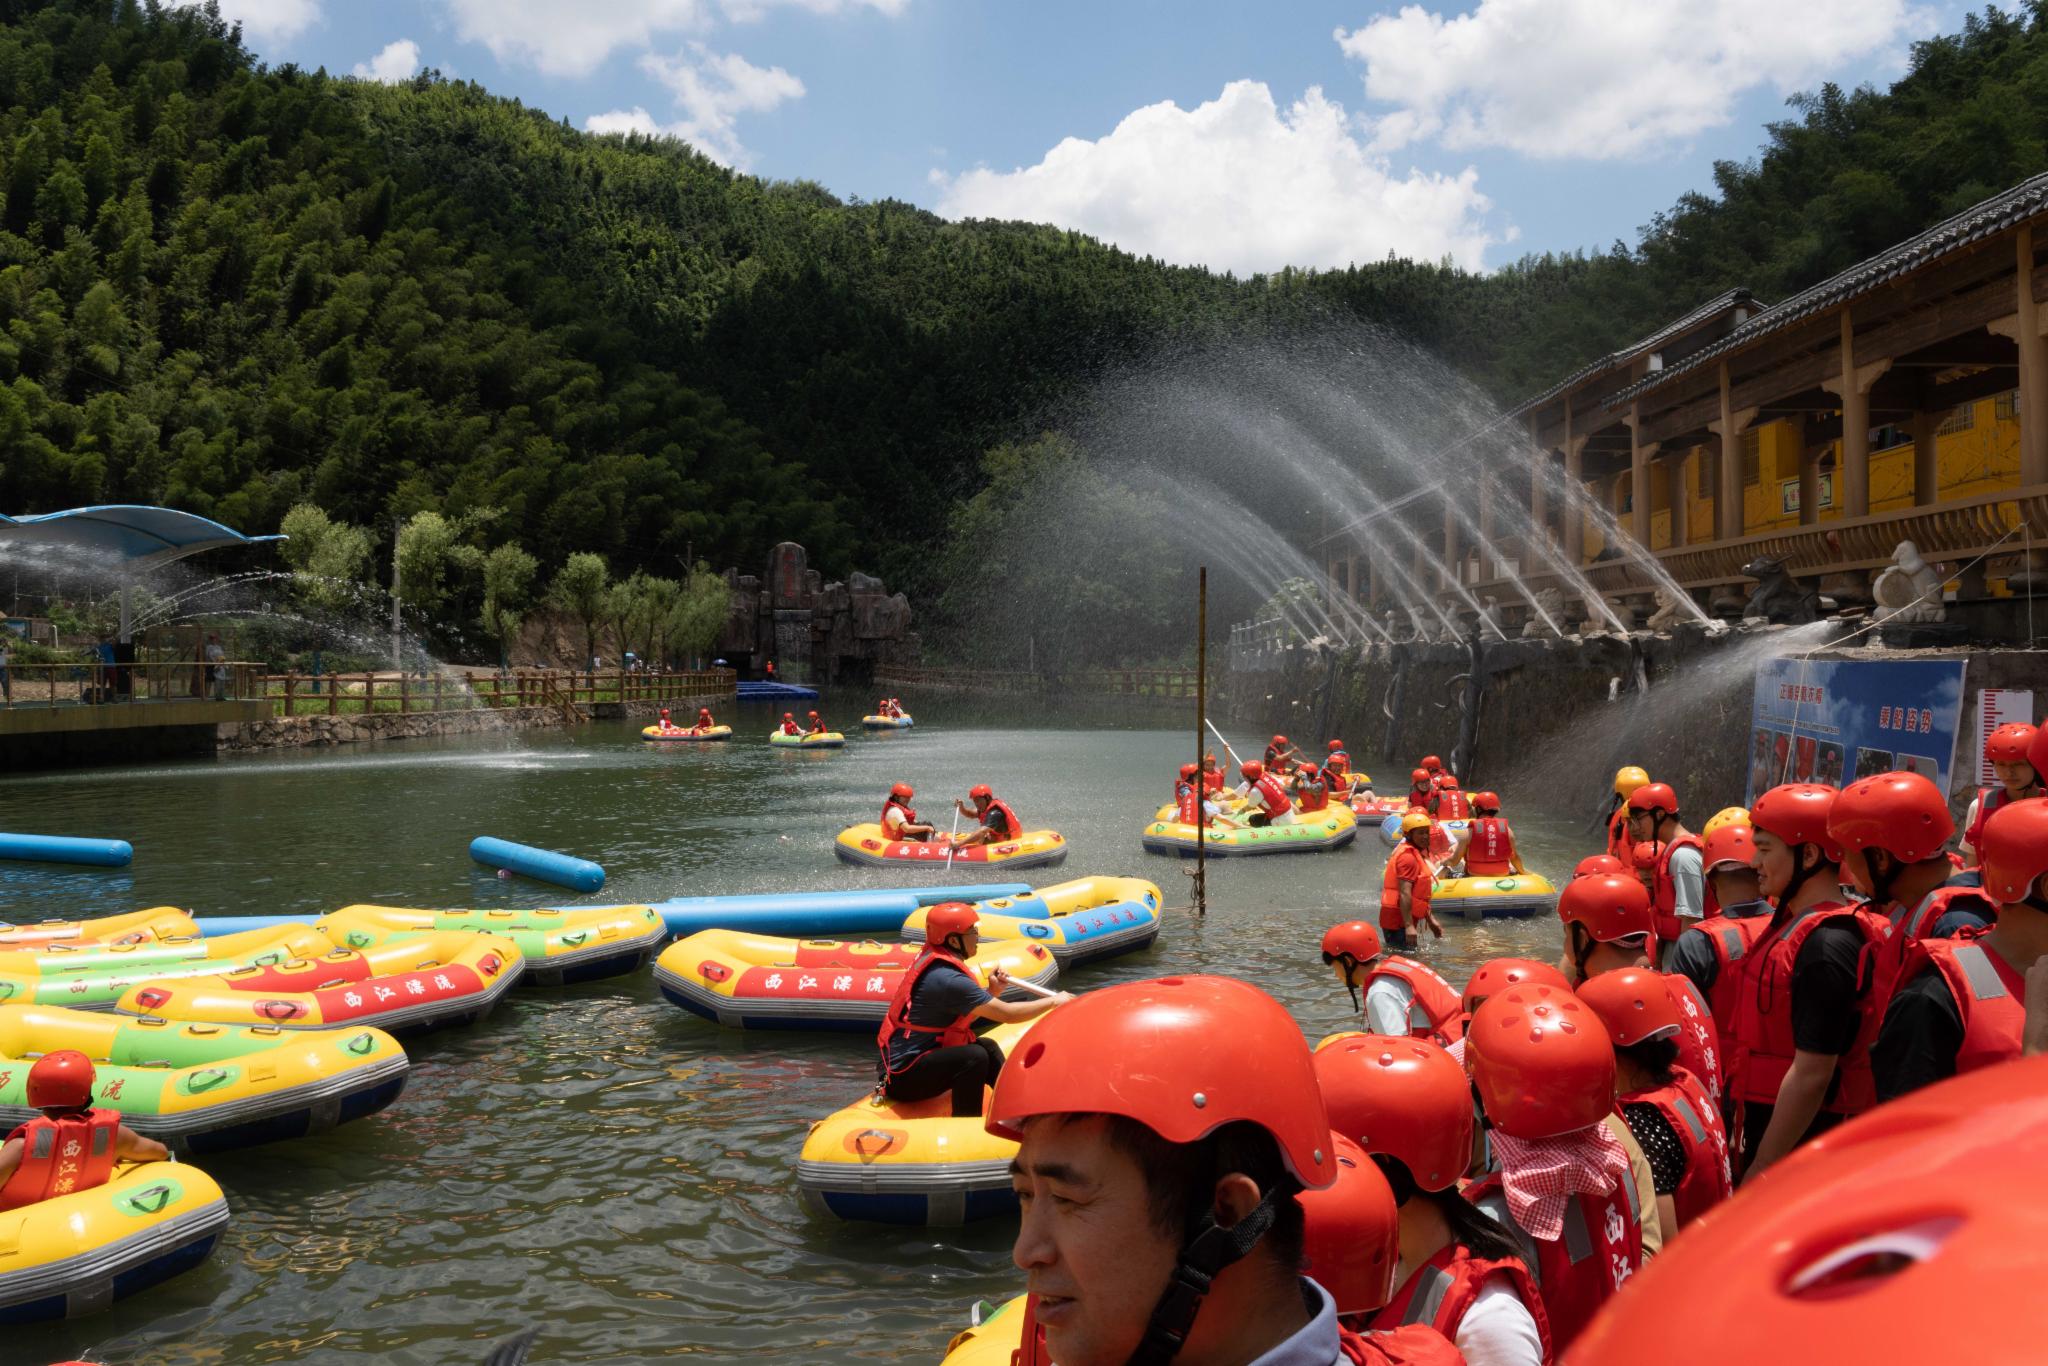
point(1338, 763)
point(1435, 1011)
point(1619, 845)
point(1270, 795)
point(791, 728)
point(1909, 927)
point(1699, 1040)
point(909, 815)
point(1763, 1012)
point(1315, 795)
point(1491, 849)
point(1450, 805)
point(1696, 1118)
point(1408, 1345)
point(62, 1156)
point(1188, 804)
point(1012, 827)
point(1407, 865)
point(1989, 799)
point(1730, 937)
point(1664, 892)
point(1442, 1289)
point(1273, 759)
point(1990, 996)
point(1581, 1269)
point(897, 1020)
point(1212, 780)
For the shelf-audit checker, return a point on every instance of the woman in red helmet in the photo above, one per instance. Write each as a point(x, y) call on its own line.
point(72, 1145)
point(927, 1037)
point(789, 725)
point(1607, 924)
point(1677, 877)
point(2007, 748)
point(1337, 764)
point(1460, 1272)
point(1420, 790)
point(997, 822)
point(1709, 954)
point(1214, 779)
point(1191, 803)
point(899, 820)
point(1961, 1002)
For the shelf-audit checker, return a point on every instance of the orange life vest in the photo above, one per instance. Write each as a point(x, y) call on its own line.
point(1413, 1344)
point(62, 1156)
point(1315, 795)
point(1407, 865)
point(1696, 1118)
point(1990, 996)
point(909, 815)
point(1664, 892)
point(1491, 849)
point(1619, 845)
point(1435, 1011)
point(1581, 1269)
point(1763, 1011)
point(897, 1021)
point(1440, 1291)
point(1212, 780)
point(1012, 827)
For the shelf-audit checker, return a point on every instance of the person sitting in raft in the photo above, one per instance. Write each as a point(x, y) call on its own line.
point(1404, 893)
point(1337, 764)
point(927, 1039)
point(1434, 767)
point(1421, 791)
point(1486, 847)
point(1269, 800)
point(73, 1144)
point(1310, 789)
point(899, 821)
point(1185, 792)
point(1280, 755)
point(998, 821)
point(667, 727)
point(704, 726)
point(1213, 777)
point(1448, 803)
point(789, 725)
point(817, 727)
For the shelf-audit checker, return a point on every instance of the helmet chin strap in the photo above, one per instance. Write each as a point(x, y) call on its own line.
point(1800, 873)
point(1202, 1258)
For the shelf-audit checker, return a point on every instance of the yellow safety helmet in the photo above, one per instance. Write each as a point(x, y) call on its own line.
point(1627, 780)
point(1415, 820)
point(1726, 816)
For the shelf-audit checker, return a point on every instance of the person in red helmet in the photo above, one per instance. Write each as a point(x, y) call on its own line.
point(1406, 884)
point(1460, 1272)
point(1191, 803)
point(927, 1041)
point(72, 1145)
point(1164, 1129)
point(1310, 789)
point(1496, 975)
point(1402, 996)
point(704, 724)
point(1808, 1004)
point(1434, 767)
point(1568, 1182)
point(1268, 796)
point(2007, 748)
point(817, 725)
point(1599, 865)
point(997, 821)
point(1486, 847)
point(789, 725)
point(1675, 1119)
point(1892, 829)
point(1337, 764)
point(1214, 779)
point(665, 724)
point(899, 819)
point(1961, 1002)
point(1420, 790)
point(1449, 802)
point(1626, 780)
point(1281, 755)
point(1607, 925)
point(1710, 953)
point(1678, 882)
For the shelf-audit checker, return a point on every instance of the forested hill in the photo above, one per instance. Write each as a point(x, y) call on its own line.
point(233, 288)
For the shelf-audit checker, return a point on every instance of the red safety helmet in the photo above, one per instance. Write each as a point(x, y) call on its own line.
point(1611, 906)
point(947, 919)
point(1431, 762)
point(813, 715)
point(1279, 739)
point(903, 792)
point(1542, 1061)
point(1449, 782)
point(1595, 864)
point(1182, 1056)
point(2009, 743)
point(1252, 769)
point(1500, 974)
point(789, 716)
point(1850, 1245)
point(1901, 813)
point(1419, 778)
point(980, 791)
point(1633, 1003)
point(1189, 770)
point(61, 1081)
point(2014, 850)
point(1403, 1098)
point(1797, 813)
point(1334, 746)
point(1351, 1232)
point(1654, 797)
point(664, 713)
point(2037, 751)
point(1485, 801)
point(1357, 940)
point(1732, 843)
point(1643, 854)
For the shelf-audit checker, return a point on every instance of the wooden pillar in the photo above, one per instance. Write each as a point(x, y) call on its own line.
point(1372, 583)
point(1926, 475)
point(1539, 486)
point(1485, 546)
point(1679, 496)
point(1853, 470)
point(1728, 488)
point(2033, 371)
point(1453, 577)
point(1639, 477)
point(1575, 485)
point(1809, 474)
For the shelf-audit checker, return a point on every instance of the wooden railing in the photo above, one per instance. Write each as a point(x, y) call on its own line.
point(93, 684)
point(354, 694)
point(1161, 684)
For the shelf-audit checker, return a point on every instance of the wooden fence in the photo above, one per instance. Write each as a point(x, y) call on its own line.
point(1156, 684)
point(295, 694)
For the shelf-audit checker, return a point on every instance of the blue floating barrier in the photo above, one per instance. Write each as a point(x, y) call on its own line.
point(66, 849)
point(564, 870)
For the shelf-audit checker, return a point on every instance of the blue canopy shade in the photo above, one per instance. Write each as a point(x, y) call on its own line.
point(124, 535)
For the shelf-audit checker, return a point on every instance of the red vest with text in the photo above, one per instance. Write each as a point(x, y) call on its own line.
point(1581, 1269)
point(897, 1020)
point(909, 816)
point(1270, 796)
point(1442, 1289)
point(1699, 1039)
point(1664, 895)
point(1730, 937)
point(62, 1156)
point(1014, 828)
point(1990, 996)
point(1696, 1118)
point(1315, 795)
point(1989, 799)
point(1409, 1345)
point(1763, 1011)
point(1491, 848)
point(1435, 1011)
point(1187, 803)
point(1450, 806)
point(1909, 927)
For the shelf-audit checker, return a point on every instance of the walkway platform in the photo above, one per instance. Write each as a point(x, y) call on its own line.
point(44, 736)
point(769, 692)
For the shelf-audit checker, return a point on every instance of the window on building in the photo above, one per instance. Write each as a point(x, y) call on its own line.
point(2008, 405)
point(1752, 459)
point(1960, 418)
point(1888, 435)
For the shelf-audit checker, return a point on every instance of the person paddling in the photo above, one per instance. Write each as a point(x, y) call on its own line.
point(998, 823)
point(817, 726)
point(1269, 801)
point(72, 1145)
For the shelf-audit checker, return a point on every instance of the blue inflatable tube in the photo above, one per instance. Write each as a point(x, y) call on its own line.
point(66, 849)
point(564, 870)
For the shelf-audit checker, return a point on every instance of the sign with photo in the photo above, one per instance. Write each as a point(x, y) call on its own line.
point(1835, 720)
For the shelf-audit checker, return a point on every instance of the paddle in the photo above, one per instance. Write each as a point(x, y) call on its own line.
point(1032, 987)
point(953, 835)
point(1226, 744)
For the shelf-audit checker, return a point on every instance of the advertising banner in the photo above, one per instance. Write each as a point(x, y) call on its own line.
point(1835, 720)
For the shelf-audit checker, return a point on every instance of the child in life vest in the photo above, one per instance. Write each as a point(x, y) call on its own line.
point(73, 1145)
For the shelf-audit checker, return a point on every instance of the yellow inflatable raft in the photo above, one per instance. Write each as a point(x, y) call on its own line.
point(561, 945)
point(1308, 833)
point(909, 1162)
point(880, 722)
point(830, 739)
point(206, 1087)
point(865, 844)
point(994, 1337)
point(1509, 895)
point(1082, 921)
point(76, 1254)
point(409, 983)
point(133, 927)
point(752, 981)
point(684, 733)
point(93, 976)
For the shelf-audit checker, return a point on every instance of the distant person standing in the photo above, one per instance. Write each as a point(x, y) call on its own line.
point(768, 671)
point(6, 679)
point(217, 658)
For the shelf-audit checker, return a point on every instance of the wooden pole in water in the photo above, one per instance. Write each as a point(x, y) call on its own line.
point(1201, 897)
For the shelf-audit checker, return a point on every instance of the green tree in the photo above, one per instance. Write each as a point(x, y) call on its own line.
point(697, 615)
point(508, 581)
point(580, 588)
point(429, 554)
point(328, 558)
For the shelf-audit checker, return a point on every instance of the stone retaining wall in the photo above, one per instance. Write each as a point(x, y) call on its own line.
point(287, 731)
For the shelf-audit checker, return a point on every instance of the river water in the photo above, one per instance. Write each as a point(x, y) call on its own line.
point(594, 1161)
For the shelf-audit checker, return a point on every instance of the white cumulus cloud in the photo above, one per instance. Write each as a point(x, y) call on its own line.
point(1236, 184)
point(711, 89)
point(1602, 78)
point(572, 40)
point(266, 21)
point(395, 63)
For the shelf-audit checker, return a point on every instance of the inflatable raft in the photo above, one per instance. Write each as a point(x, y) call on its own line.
point(1083, 921)
point(1377, 809)
point(830, 739)
point(993, 1339)
point(133, 927)
point(93, 977)
point(1477, 898)
point(411, 983)
point(684, 733)
point(866, 844)
point(202, 1088)
point(561, 945)
point(1331, 828)
point(76, 1254)
point(1440, 841)
point(887, 722)
point(751, 981)
point(909, 1162)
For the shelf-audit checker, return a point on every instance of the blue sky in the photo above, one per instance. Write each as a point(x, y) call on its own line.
point(1193, 130)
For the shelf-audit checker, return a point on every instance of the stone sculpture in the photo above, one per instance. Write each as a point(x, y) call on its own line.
point(1778, 596)
point(1667, 612)
point(1550, 602)
point(1909, 589)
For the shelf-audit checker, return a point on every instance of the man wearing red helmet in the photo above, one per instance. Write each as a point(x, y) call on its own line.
point(1893, 829)
point(2007, 748)
point(1191, 804)
point(1486, 847)
point(1710, 953)
point(1961, 1002)
point(1448, 802)
point(899, 820)
point(1310, 789)
point(1281, 754)
point(1268, 797)
point(72, 1145)
point(1405, 885)
point(998, 821)
point(1678, 881)
point(1420, 790)
point(817, 726)
point(1337, 763)
point(1402, 996)
point(704, 726)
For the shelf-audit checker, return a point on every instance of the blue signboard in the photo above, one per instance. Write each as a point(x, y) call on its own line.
point(1835, 720)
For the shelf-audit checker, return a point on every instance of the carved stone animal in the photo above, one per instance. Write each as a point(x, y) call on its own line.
point(1909, 590)
point(1778, 596)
